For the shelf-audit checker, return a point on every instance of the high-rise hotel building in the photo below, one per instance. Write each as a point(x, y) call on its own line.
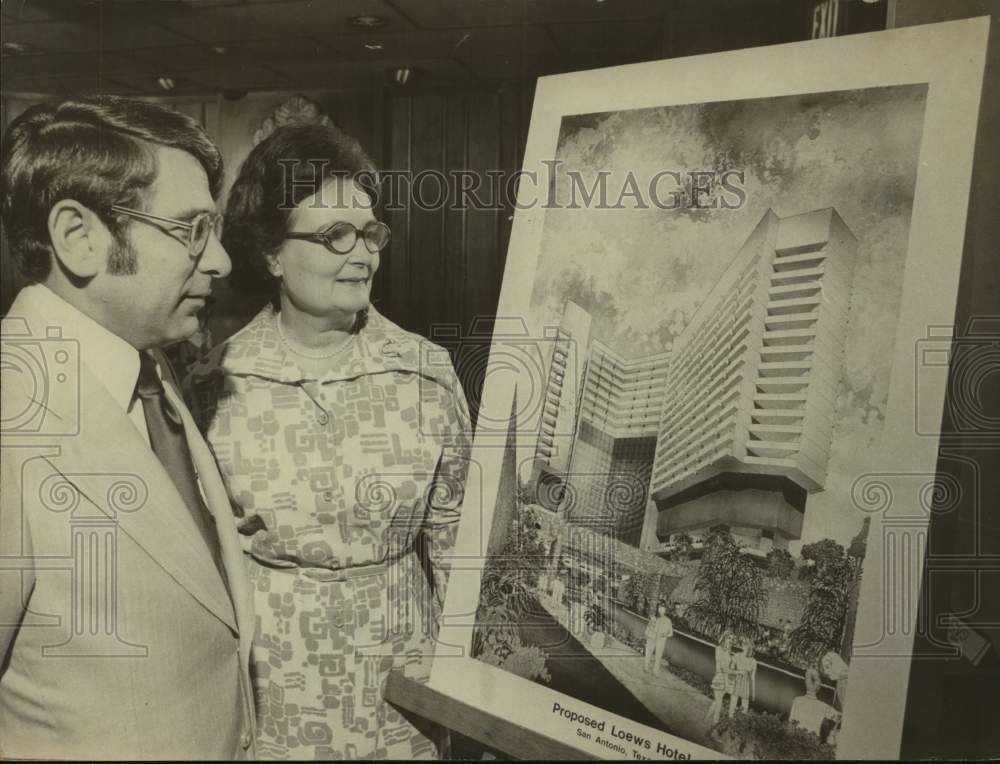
point(734, 424)
point(747, 420)
point(594, 455)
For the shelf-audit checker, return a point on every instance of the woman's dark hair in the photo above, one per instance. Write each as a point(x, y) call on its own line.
point(100, 151)
point(288, 166)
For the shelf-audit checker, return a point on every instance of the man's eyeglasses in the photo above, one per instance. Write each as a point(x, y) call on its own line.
point(199, 229)
point(341, 237)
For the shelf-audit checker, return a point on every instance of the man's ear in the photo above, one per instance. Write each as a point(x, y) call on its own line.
point(80, 240)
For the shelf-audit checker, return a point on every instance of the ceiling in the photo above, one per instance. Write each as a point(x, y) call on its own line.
point(237, 46)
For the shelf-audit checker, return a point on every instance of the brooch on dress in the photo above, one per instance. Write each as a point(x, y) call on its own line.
point(391, 349)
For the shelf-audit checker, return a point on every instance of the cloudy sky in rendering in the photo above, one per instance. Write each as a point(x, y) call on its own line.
point(643, 272)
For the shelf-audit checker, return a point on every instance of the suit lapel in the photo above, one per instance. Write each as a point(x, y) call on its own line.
point(109, 447)
point(217, 501)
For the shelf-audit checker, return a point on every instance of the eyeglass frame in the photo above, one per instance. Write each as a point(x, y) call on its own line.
point(215, 219)
point(320, 237)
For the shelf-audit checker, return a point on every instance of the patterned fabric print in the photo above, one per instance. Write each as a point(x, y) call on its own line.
point(336, 483)
point(322, 652)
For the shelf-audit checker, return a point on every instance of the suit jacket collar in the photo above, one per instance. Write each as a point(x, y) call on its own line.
point(110, 358)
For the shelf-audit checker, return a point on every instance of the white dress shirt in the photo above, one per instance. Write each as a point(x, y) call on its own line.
point(809, 711)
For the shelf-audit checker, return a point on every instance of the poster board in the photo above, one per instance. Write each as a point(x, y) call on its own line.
point(856, 156)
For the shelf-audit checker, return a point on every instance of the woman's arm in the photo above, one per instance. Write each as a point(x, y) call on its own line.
point(452, 426)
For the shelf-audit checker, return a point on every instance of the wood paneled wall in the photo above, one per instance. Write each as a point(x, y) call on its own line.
point(445, 265)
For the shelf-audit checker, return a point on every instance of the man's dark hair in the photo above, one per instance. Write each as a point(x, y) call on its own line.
point(100, 151)
point(290, 165)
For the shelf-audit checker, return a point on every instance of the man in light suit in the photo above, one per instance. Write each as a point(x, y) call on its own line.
point(125, 616)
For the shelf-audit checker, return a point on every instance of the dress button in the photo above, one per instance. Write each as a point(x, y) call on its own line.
point(323, 419)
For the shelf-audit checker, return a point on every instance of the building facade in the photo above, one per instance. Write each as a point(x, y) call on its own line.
point(733, 425)
point(594, 454)
point(748, 416)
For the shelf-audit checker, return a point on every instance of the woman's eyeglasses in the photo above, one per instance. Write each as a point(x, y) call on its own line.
point(340, 238)
point(199, 229)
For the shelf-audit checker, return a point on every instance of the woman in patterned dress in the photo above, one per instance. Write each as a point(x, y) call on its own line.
point(344, 441)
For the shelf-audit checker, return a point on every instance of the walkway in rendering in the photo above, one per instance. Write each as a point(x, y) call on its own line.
point(679, 707)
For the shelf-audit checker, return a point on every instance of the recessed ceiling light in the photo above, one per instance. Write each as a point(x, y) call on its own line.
point(165, 83)
point(374, 46)
point(366, 21)
point(219, 50)
point(16, 48)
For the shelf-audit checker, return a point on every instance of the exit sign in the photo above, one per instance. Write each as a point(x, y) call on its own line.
point(831, 18)
point(826, 19)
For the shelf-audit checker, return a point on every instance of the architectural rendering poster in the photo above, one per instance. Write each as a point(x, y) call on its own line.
point(728, 285)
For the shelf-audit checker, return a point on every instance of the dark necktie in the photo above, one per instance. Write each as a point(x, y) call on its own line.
point(166, 437)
